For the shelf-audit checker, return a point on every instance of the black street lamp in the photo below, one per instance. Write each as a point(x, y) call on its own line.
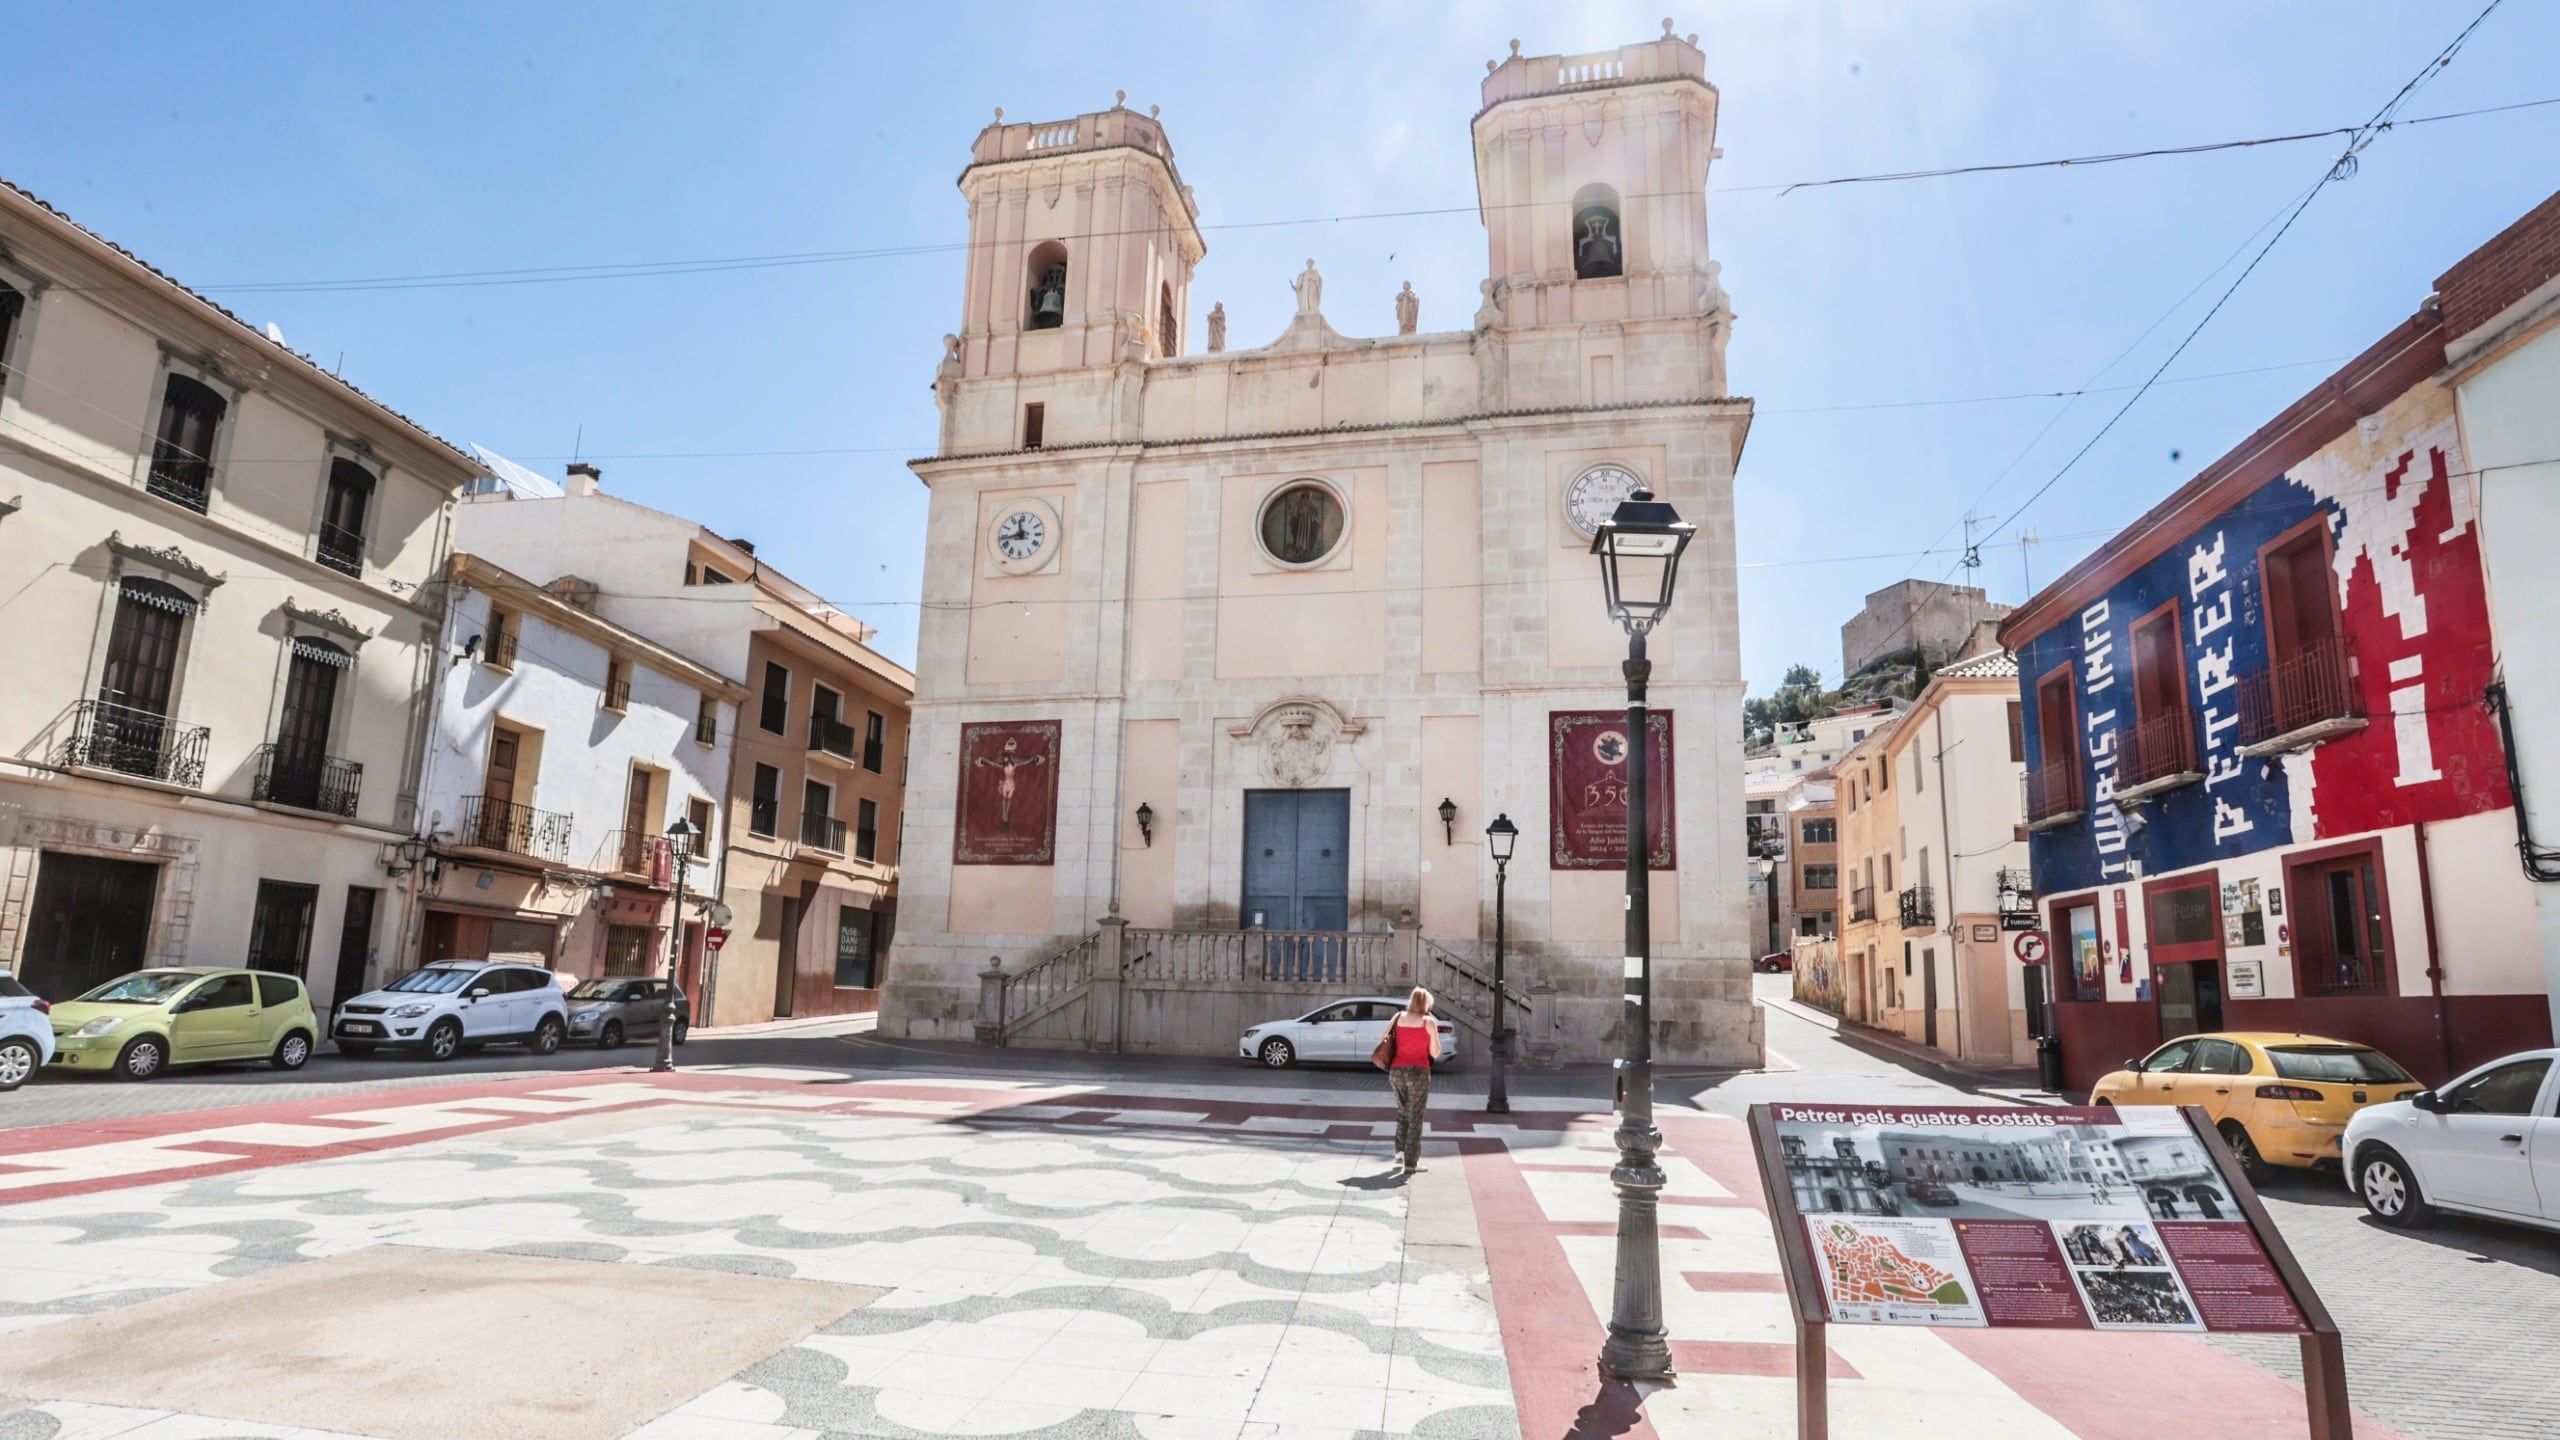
point(1499, 838)
point(680, 841)
point(1639, 550)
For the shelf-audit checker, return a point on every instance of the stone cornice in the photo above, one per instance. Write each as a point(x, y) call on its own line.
point(335, 622)
point(170, 558)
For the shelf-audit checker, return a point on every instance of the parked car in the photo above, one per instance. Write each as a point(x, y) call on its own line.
point(140, 1024)
point(26, 1036)
point(2488, 1144)
point(608, 1010)
point(1776, 962)
point(2278, 1099)
point(1929, 1192)
point(1336, 1031)
point(444, 1006)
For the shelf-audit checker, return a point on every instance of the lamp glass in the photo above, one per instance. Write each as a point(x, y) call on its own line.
point(1501, 836)
point(1639, 550)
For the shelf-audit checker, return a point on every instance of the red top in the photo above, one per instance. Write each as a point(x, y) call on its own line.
point(1413, 1042)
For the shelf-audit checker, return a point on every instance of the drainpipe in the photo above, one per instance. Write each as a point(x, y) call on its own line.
point(2435, 952)
point(1947, 849)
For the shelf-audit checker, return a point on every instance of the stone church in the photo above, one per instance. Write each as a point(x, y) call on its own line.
point(1230, 655)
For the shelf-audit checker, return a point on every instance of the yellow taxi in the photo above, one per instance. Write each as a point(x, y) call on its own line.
point(2278, 1099)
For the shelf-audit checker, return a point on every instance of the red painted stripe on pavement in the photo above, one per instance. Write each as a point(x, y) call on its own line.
point(1750, 1357)
point(1550, 1335)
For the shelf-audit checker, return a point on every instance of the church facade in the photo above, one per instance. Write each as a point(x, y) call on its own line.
point(1230, 655)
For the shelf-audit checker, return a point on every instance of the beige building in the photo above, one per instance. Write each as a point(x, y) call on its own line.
point(1933, 831)
point(1212, 634)
point(215, 558)
point(810, 798)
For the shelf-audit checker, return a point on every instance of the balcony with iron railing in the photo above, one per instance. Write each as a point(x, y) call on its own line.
point(2054, 795)
point(639, 854)
point(1919, 908)
point(132, 741)
point(341, 549)
point(2301, 699)
point(2159, 755)
point(2015, 891)
point(513, 829)
point(501, 652)
point(832, 738)
point(1862, 904)
point(822, 832)
point(617, 694)
point(182, 478)
point(305, 779)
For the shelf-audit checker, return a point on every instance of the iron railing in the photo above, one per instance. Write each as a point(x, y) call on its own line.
point(134, 741)
point(831, 736)
point(515, 829)
point(1862, 904)
point(1234, 956)
point(341, 549)
point(181, 477)
point(502, 649)
point(822, 832)
point(305, 779)
point(617, 693)
point(637, 852)
point(2053, 791)
point(2008, 882)
point(2314, 686)
point(1919, 908)
point(2160, 748)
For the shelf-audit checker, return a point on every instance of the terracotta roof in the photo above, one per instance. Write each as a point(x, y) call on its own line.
point(246, 328)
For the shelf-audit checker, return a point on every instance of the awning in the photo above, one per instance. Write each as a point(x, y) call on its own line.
point(322, 651)
point(159, 595)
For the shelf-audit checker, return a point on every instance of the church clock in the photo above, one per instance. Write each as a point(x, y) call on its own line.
point(1023, 538)
point(1594, 495)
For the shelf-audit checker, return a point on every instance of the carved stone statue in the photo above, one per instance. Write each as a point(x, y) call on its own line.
point(1310, 288)
point(1217, 327)
point(1489, 314)
point(950, 355)
point(1408, 309)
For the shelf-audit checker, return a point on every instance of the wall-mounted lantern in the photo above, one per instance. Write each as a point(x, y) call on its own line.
point(1147, 823)
point(1448, 821)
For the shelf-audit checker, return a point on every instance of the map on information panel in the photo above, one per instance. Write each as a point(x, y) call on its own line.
point(2052, 1217)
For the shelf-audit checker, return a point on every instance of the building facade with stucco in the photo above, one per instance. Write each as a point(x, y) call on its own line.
point(1229, 655)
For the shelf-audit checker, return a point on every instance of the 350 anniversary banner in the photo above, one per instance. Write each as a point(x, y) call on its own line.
point(1587, 752)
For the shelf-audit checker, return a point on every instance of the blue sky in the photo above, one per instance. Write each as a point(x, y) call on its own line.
point(274, 143)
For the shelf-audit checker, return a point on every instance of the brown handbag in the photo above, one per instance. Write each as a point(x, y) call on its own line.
point(1385, 1054)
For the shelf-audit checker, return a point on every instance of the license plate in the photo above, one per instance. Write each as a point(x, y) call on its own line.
point(359, 1027)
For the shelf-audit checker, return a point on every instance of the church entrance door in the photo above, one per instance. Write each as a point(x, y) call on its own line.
point(1297, 860)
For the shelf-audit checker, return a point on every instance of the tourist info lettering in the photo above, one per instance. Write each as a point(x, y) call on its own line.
point(2055, 1218)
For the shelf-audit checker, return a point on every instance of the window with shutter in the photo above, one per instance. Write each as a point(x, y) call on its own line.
point(182, 451)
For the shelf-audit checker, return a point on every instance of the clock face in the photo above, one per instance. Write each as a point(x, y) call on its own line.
point(1594, 495)
point(1021, 534)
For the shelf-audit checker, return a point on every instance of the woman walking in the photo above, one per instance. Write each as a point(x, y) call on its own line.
point(1411, 1043)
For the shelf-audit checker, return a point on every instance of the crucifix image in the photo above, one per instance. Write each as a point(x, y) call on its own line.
point(1007, 763)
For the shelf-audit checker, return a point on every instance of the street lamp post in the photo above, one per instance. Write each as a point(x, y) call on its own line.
point(680, 838)
point(1639, 550)
point(1500, 837)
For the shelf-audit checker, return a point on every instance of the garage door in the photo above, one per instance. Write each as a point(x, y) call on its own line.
point(529, 941)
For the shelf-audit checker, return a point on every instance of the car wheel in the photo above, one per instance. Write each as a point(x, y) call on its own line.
point(547, 1035)
point(2102, 1102)
point(2390, 1193)
point(682, 1030)
point(142, 1058)
point(2252, 1165)
point(444, 1040)
point(610, 1037)
point(354, 1047)
point(17, 1062)
point(1277, 1053)
point(291, 1052)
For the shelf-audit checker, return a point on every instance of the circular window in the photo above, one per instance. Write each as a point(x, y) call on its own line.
point(1301, 523)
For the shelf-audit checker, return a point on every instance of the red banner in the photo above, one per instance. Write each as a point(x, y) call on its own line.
point(1587, 756)
point(1008, 794)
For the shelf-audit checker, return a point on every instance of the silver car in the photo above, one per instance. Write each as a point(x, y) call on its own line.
point(608, 1010)
point(1338, 1031)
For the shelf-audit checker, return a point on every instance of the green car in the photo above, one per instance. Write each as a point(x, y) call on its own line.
point(140, 1024)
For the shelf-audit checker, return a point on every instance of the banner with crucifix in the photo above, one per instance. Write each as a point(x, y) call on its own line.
point(1008, 794)
point(1587, 754)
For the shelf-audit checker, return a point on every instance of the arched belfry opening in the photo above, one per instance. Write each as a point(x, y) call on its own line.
point(1048, 269)
point(1599, 248)
point(1167, 331)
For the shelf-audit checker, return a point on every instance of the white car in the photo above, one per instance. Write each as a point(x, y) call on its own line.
point(442, 1007)
point(2488, 1144)
point(26, 1037)
point(1338, 1030)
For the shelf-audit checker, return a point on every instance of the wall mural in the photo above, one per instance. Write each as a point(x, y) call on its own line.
point(2412, 609)
point(1008, 794)
point(1587, 789)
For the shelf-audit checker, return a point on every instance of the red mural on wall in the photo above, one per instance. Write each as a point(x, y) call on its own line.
point(1587, 756)
point(1008, 811)
point(2415, 610)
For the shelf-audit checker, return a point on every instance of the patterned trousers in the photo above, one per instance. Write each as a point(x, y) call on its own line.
point(1413, 1091)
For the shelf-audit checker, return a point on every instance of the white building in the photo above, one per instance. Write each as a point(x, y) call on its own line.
point(564, 747)
point(214, 581)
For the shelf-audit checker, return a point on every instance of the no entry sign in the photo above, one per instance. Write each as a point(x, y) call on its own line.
point(714, 938)
point(2029, 946)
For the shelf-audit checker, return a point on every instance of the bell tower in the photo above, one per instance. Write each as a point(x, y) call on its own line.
point(1082, 241)
point(1591, 171)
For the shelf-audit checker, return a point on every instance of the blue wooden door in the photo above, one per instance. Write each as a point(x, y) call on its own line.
point(1297, 860)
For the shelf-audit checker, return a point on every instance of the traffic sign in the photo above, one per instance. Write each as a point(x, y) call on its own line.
point(714, 938)
point(2018, 920)
point(2029, 947)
